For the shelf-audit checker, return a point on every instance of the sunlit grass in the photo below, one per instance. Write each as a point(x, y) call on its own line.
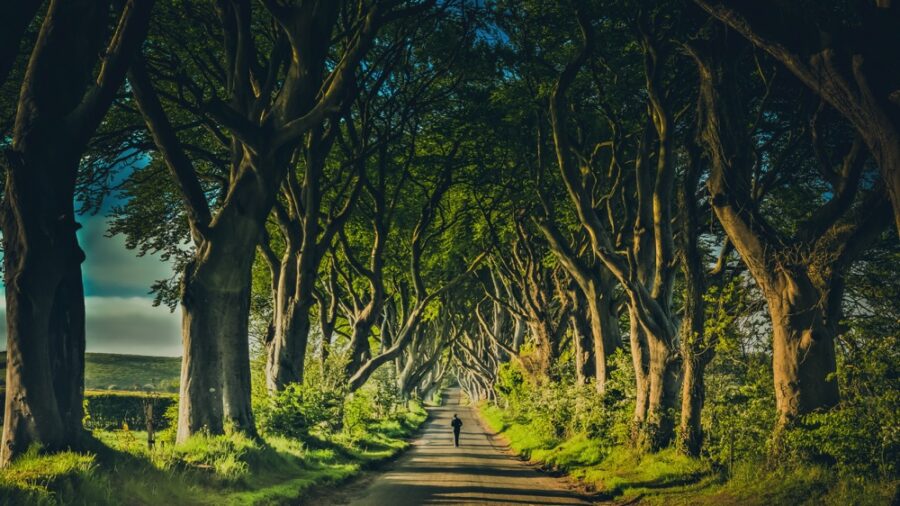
point(205, 470)
point(669, 478)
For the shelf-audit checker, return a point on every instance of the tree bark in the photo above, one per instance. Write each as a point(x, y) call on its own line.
point(696, 351)
point(294, 299)
point(215, 368)
point(803, 356)
point(581, 337)
point(45, 315)
point(60, 106)
point(604, 328)
point(801, 278)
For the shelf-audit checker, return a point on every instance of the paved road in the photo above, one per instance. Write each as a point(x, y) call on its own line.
point(433, 471)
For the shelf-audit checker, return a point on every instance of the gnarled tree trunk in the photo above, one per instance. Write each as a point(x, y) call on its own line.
point(581, 337)
point(803, 356)
point(45, 316)
point(696, 351)
point(215, 368)
point(801, 277)
point(60, 106)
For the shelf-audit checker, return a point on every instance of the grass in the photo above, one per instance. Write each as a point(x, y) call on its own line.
point(131, 372)
point(205, 470)
point(108, 371)
point(669, 478)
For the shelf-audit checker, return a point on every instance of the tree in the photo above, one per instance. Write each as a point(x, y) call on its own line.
point(646, 271)
point(849, 59)
point(268, 108)
point(61, 104)
point(800, 274)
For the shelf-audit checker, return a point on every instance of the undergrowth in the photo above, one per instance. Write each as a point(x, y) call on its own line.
point(232, 469)
point(847, 456)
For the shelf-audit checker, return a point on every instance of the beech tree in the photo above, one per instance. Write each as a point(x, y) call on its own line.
point(800, 273)
point(261, 112)
point(849, 59)
point(61, 103)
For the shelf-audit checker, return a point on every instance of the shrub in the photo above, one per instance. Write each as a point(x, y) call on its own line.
point(358, 413)
point(170, 432)
point(109, 410)
point(299, 408)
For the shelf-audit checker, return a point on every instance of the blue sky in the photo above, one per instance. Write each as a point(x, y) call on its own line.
point(120, 317)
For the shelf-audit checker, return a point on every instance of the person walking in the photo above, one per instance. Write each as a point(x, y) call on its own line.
point(457, 426)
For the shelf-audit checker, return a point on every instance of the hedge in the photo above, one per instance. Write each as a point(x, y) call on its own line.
point(110, 409)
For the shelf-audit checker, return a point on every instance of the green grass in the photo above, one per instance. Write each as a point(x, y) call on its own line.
point(107, 371)
point(130, 372)
point(205, 470)
point(668, 478)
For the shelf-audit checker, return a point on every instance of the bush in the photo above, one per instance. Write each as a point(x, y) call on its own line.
point(861, 436)
point(554, 411)
point(299, 408)
point(358, 413)
point(110, 410)
point(170, 433)
point(316, 404)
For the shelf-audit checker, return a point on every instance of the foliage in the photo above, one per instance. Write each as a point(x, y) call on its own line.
point(205, 470)
point(322, 408)
point(297, 409)
point(560, 410)
point(317, 404)
point(109, 410)
point(861, 437)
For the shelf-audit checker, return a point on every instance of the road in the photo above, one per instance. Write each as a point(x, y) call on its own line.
point(433, 471)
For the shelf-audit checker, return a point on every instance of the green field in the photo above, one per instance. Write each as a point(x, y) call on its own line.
point(108, 371)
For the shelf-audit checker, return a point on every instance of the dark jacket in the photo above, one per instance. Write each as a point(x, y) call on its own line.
point(457, 424)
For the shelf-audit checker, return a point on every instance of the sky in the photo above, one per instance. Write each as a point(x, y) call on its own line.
point(120, 317)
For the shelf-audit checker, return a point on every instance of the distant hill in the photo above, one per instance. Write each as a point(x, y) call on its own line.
point(109, 371)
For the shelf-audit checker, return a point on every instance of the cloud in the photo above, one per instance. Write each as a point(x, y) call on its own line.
point(129, 325)
point(120, 317)
point(112, 270)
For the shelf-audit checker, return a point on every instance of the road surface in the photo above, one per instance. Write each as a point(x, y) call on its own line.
point(433, 471)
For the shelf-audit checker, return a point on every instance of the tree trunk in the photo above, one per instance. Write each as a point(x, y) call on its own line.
point(802, 350)
point(61, 104)
point(604, 331)
point(804, 314)
point(518, 335)
point(581, 338)
point(640, 358)
point(693, 394)
point(67, 338)
point(543, 358)
point(45, 314)
point(327, 336)
point(215, 368)
point(696, 352)
point(287, 350)
point(663, 378)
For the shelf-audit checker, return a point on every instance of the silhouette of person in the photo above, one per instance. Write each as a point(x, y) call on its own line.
point(457, 426)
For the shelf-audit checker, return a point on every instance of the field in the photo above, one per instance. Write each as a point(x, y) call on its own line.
point(108, 371)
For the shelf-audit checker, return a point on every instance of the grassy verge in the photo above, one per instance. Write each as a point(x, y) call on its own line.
point(205, 470)
point(669, 478)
